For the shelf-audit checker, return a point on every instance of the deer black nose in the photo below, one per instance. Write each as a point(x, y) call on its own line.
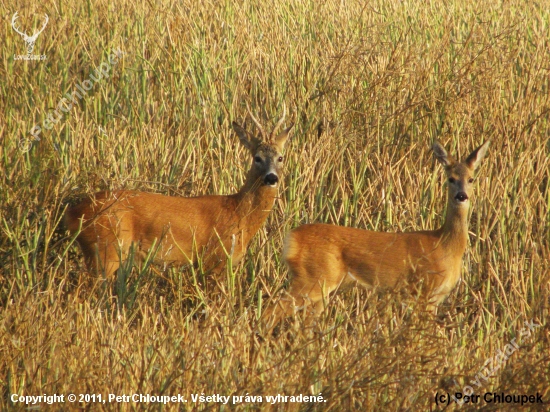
point(271, 179)
point(461, 197)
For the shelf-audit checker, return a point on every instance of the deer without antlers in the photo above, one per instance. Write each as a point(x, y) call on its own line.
point(182, 229)
point(322, 258)
point(30, 40)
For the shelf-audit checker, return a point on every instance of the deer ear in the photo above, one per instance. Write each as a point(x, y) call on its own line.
point(251, 143)
point(475, 158)
point(281, 139)
point(441, 154)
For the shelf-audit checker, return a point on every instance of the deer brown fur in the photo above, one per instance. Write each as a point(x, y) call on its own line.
point(322, 258)
point(182, 230)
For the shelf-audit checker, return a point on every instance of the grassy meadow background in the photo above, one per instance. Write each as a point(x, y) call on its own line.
point(369, 84)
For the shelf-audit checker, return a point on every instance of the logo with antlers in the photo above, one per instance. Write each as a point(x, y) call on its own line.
point(30, 40)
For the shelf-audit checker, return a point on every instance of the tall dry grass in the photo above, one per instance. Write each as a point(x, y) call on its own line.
point(370, 85)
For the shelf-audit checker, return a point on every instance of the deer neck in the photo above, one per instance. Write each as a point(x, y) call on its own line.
point(254, 202)
point(455, 228)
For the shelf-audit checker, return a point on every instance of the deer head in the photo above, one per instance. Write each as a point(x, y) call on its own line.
point(266, 149)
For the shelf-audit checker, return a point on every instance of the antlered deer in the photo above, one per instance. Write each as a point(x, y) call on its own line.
point(182, 229)
point(322, 258)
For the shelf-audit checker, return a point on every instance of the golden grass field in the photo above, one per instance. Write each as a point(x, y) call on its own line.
point(370, 85)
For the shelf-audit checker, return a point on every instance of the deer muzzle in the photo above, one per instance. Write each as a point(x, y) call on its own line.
point(461, 197)
point(271, 179)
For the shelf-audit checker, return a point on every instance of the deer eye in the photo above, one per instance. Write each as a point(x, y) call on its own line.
point(470, 180)
point(280, 159)
point(451, 180)
point(258, 159)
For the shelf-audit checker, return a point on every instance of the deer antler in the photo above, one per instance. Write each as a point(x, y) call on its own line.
point(257, 123)
point(13, 19)
point(279, 123)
